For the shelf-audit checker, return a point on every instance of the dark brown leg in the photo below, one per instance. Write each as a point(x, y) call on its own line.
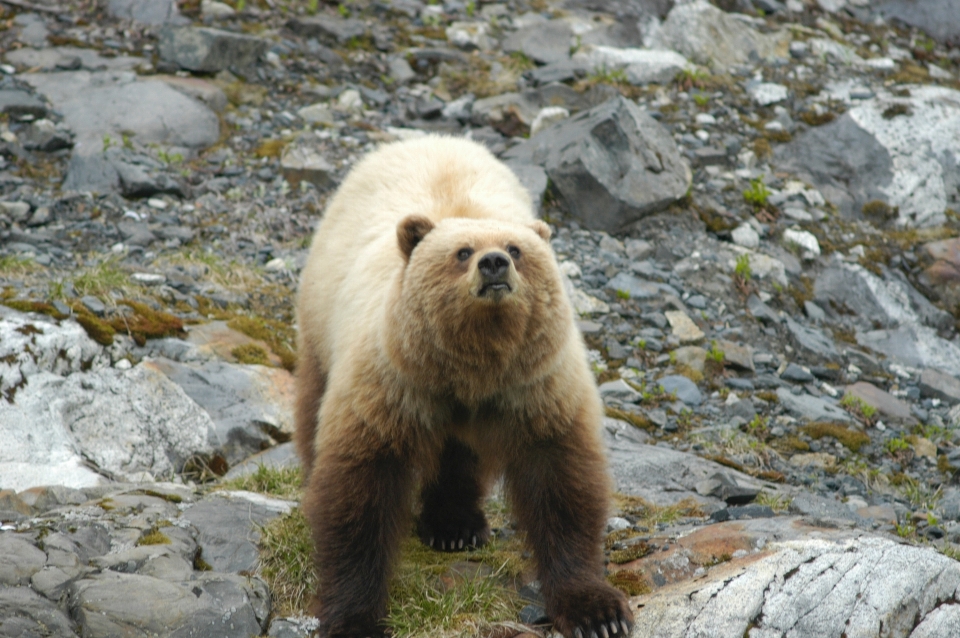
point(559, 490)
point(310, 384)
point(358, 510)
point(452, 518)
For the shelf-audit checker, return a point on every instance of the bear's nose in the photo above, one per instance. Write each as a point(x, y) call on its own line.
point(493, 266)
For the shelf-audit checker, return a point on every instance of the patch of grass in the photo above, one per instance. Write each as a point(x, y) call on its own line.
point(102, 278)
point(98, 330)
point(715, 354)
point(853, 440)
point(623, 294)
point(26, 305)
point(692, 79)
point(270, 148)
point(607, 76)
point(758, 194)
point(631, 553)
point(859, 408)
point(276, 334)
point(811, 118)
point(146, 323)
point(286, 562)
point(762, 148)
point(776, 502)
point(894, 110)
point(767, 395)
point(280, 482)
point(950, 551)
point(880, 210)
point(154, 537)
point(14, 266)
point(251, 353)
point(906, 530)
point(650, 515)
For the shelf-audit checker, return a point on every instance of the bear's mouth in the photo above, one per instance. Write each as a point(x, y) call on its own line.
point(495, 289)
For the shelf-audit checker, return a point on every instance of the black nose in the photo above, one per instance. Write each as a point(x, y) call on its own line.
point(493, 266)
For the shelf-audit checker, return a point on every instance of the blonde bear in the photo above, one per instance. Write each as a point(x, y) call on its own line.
point(438, 352)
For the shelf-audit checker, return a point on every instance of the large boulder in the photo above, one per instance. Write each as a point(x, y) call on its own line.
point(899, 150)
point(939, 18)
point(152, 12)
point(611, 165)
point(207, 50)
point(707, 35)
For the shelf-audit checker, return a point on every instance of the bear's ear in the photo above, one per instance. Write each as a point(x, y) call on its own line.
point(541, 229)
point(410, 231)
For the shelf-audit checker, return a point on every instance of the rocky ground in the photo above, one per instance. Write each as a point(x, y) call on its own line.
point(755, 204)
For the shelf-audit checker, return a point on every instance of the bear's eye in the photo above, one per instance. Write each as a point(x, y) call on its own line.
point(464, 254)
point(514, 251)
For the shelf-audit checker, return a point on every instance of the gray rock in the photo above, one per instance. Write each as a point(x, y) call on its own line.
point(545, 43)
point(937, 17)
point(33, 30)
point(43, 135)
point(331, 30)
point(19, 560)
point(214, 605)
point(685, 389)
point(707, 35)
point(808, 408)
point(229, 528)
point(885, 403)
point(916, 346)
point(283, 456)
point(723, 486)
point(249, 405)
point(813, 340)
point(939, 385)
point(819, 508)
point(17, 103)
point(65, 59)
point(302, 163)
point(152, 12)
point(24, 613)
point(620, 391)
point(635, 287)
point(851, 159)
point(611, 165)
point(96, 104)
point(207, 50)
point(641, 66)
point(94, 305)
point(533, 178)
point(795, 373)
point(762, 311)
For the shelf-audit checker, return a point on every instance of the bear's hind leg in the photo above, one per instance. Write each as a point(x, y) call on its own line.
point(452, 518)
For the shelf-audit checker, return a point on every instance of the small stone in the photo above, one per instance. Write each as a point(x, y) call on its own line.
point(400, 70)
point(693, 357)
point(804, 240)
point(796, 374)
point(637, 249)
point(469, 36)
point(926, 448)
point(815, 459)
point(299, 163)
point(319, 113)
point(213, 9)
point(683, 327)
point(206, 50)
point(547, 117)
point(148, 279)
point(94, 305)
point(619, 390)
point(615, 524)
point(939, 385)
point(811, 408)
point(766, 93)
point(685, 389)
point(745, 235)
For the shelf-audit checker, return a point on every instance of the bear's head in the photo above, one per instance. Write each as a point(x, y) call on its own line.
point(478, 296)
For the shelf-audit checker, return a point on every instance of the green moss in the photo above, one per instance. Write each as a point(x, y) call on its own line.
point(629, 582)
point(278, 335)
point(41, 307)
point(858, 407)
point(154, 537)
point(878, 209)
point(251, 353)
point(146, 323)
point(757, 194)
point(853, 440)
point(817, 119)
point(97, 329)
point(768, 396)
point(631, 553)
point(282, 482)
point(634, 419)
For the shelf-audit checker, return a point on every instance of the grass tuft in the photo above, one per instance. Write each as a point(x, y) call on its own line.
point(853, 440)
point(282, 482)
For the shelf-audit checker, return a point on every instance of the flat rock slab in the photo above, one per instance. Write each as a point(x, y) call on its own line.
point(53, 58)
point(98, 104)
point(789, 579)
point(152, 12)
point(250, 405)
point(939, 385)
point(809, 408)
point(661, 475)
point(612, 164)
point(228, 526)
point(210, 605)
point(886, 404)
point(206, 50)
point(915, 346)
point(25, 613)
point(851, 160)
point(545, 43)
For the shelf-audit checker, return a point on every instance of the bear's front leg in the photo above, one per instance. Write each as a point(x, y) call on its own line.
point(358, 504)
point(560, 491)
point(452, 518)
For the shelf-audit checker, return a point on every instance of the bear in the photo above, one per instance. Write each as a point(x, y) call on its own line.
point(437, 352)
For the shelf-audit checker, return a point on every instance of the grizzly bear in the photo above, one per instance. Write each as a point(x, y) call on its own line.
point(438, 348)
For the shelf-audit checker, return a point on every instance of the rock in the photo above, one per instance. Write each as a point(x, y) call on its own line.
point(925, 448)
point(301, 163)
point(766, 93)
point(939, 385)
point(228, 528)
point(916, 346)
point(19, 560)
point(583, 303)
point(17, 103)
point(796, 374)
point(762, 266)
point(683, 326)
point(544, 43)
point(330, 30)
point(99, 106)
point(707, 36)
point(737, 355)
point(936, 17)
point(685, 389)
point(24, 613)
point(510, 113)
point(206, 92)
point(744, 235)
point(851, 159)
point(691, 356)
point(213, 9)
point(620, 391)
point(110, 603)
point(723, 486)
point(533, 178)
point(641, 66)
point(283, 456)
point(316, 114)
point(400, 70)
point(808, 408)
point(125, 422)
point(804, 240)
point(886, 404)
point(469, 36)
point(812, 340)
point(611, 165)
point(818, 508)
point(206, 50)
point(633, 287)
point(49, 497)
point(152, 12)
point(33, 30)
point(43, 135)
point(661, 475)
point(249, 405)
point(546, 117)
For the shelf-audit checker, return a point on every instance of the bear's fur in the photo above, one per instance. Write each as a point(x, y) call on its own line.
point(437, 347)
